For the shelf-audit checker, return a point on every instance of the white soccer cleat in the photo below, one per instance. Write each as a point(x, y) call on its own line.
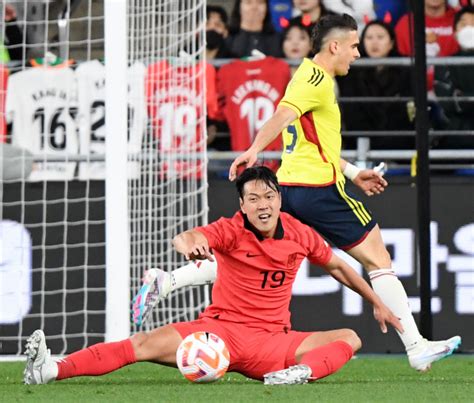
point(156, 287)
point(295, 375)
point(428, 352)
point(40, 367)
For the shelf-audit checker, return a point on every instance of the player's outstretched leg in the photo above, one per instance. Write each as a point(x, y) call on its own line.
point(158, 284)
point(421, 352)
point(373, 255)
point(40, 367)
point(157, 346)
point(98, 359)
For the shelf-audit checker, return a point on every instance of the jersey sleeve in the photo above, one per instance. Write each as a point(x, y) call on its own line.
point(320, 252)
point(221, 235)
point(305, 91)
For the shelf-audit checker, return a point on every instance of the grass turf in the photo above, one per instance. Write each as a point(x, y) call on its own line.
point(365, 379)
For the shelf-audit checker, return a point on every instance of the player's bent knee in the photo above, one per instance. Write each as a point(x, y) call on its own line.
point(353, 339)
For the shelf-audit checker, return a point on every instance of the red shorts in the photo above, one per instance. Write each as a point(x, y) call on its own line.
point(253, 351)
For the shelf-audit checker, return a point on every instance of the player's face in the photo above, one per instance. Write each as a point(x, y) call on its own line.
point(377, 41)
point(346, 52)
point(297, 43)
point(262, 206)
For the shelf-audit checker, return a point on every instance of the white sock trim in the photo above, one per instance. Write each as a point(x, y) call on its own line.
point(374, 274)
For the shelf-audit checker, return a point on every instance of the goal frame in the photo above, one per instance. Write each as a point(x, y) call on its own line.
point(117, 233)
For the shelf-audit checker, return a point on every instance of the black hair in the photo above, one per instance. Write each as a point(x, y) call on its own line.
point(292, 24)
point(218, 10)
point(328, 23)
point(393, 52)
point(260, 173)
point(235, 19)
point(460, 13)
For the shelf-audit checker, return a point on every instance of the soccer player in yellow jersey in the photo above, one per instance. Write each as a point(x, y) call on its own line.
point(312, 175)
point(312, 178)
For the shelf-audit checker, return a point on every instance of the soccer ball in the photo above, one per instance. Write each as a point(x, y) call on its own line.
point(202, 357)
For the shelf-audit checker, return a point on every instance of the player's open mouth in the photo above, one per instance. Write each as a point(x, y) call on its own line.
point(264, 217)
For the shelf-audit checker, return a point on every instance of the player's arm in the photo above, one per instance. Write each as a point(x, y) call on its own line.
point(346, 275)
point(193, 245)
point(371, 181)
point(269, 132)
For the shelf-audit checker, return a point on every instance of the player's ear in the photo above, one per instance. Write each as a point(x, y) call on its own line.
point(241, 202)
point(333, 46)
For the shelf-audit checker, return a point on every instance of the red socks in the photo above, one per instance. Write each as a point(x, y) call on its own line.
point(98, 359)
point(326, 360)
point(103, 358)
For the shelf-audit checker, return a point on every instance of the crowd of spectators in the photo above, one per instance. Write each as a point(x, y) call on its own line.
point(386, 30)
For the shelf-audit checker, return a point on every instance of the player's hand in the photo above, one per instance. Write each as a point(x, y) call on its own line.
point(383, 315)
point(199, 252)
point(247, 160)
point(371, 182)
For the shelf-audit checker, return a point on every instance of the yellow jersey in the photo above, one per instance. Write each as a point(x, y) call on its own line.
point(311, 143)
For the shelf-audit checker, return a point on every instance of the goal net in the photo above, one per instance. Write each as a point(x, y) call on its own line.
point(53, 177)
point(171, 194)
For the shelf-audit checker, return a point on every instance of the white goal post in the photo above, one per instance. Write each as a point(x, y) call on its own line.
point(117, 256)
point(114, 134)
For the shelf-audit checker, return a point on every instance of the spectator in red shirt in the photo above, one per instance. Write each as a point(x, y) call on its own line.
point(439, 19)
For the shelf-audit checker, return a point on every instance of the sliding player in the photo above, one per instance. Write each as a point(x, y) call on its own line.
point(260, 250)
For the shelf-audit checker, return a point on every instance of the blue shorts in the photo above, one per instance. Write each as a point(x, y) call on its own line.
point(332, 211)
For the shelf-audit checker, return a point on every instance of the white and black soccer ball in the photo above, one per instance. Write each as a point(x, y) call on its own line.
point(202, 357)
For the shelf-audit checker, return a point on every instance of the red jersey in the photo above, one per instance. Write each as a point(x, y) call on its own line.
point(256, 275)
point(174, 97)
point(3, 94)
point(442, 27)
point(251, 91)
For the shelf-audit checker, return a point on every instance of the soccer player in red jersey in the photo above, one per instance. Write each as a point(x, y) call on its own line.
point(259, 250)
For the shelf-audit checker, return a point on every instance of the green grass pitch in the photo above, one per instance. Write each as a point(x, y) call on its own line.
point(364, 379)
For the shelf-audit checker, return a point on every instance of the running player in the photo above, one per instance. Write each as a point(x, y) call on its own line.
point(260, 250)
point(312, 178)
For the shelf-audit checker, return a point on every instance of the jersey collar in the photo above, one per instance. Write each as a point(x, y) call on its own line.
point(279, 232)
